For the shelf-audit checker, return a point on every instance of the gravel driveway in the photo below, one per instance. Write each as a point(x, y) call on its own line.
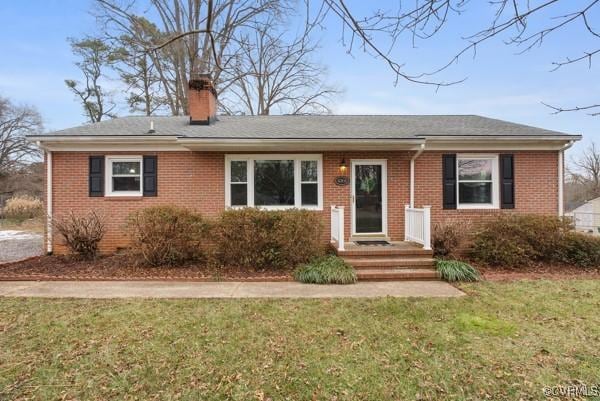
point(16, 245)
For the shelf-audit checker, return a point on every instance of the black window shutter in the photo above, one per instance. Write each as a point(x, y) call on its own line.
point(96, 176)
point(150, 175)
point(449, 177)
point(507, 182)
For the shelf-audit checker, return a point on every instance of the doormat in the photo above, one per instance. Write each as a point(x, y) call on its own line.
point(371, 243)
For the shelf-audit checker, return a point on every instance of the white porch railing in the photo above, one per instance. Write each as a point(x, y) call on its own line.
point(417, 225)
point(337, 227)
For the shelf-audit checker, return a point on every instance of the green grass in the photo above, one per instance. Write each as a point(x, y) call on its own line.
point(329, 269)
point(455, 270)
point(505, 341)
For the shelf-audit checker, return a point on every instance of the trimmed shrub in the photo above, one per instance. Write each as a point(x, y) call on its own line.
point(23, 207)
point(496, 250)
point(259, 239)
point(300, 236)
point(448, 238)
point(167, 235)
point(513, 240)
point(454, 270)
point(580, 250)
point(326, 270)
point(82, 233)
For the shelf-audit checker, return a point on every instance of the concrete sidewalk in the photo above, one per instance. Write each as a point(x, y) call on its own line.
point(165, 289)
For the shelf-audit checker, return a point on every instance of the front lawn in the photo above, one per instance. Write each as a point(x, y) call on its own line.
point(505, 341)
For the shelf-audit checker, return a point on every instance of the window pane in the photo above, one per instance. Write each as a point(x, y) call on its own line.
point(238, 171)
point(126, 168)
point(239, 194)
point(273, 182)
point(309, 170)
point(126, 183)
point(310, 194)
point(474, 169)
point(475, 192)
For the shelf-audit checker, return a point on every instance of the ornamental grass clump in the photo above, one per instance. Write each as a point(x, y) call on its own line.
point(326, 270)
point(454, 270)
point(23, 207)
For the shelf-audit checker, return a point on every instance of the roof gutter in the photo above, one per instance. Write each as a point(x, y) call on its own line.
point(314, 140)
point(242, 144)
point(498, 143)
point(112, 143)
point(186, 140)
point(104, 138)
point(565, 137)
point(173, 143)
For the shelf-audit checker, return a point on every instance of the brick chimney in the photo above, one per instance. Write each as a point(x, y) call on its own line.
point(202, 100)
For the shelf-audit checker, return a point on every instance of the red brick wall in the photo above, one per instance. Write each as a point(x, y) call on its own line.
point(187, 179)
point(196, 180)
point(536, 186)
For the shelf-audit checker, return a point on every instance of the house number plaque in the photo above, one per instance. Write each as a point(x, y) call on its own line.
point(342, 180)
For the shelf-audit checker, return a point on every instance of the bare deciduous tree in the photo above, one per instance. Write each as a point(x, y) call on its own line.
point(521, 23)
point(95, 56)
point(15, 123)
point(194, 51)
point(27, 179)
point(271, 74)
point(585, 170)
point(524, 23)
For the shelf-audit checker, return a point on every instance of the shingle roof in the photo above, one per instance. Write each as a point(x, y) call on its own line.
point(312, 127)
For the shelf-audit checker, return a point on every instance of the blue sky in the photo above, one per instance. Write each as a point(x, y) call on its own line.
point(36, 59)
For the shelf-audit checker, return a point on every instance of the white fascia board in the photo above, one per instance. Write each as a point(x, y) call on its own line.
point(240, 144)
point(565, 137)
point(112, 147)
point(104, 138)
point(107, 143)
point(101, 144)
point(499, 143)
point(171, 143)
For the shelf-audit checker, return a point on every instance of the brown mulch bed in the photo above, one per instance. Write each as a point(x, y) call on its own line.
point(120, 267)
point(538, 272)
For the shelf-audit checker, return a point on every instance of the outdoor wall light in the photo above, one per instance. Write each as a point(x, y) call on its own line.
point(343, 166)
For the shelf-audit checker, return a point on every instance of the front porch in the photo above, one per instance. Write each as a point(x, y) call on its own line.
point(417, 230)
point(379, 259)
point(396, 261)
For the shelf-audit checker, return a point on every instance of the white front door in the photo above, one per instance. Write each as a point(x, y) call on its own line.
point(369, 197)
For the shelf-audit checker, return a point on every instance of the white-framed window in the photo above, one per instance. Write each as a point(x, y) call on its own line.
point(477, 181)
point(274, 181)
point(123, 176)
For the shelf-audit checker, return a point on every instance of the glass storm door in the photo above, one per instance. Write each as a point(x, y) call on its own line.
point(369, 202)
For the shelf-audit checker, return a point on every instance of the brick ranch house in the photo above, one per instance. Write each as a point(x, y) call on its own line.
point(375, 177)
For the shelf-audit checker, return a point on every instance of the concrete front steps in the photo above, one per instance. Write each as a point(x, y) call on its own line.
point(398, 261)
